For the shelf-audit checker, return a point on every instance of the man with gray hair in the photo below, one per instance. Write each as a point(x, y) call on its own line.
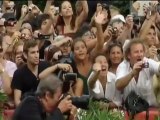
point(46, 100)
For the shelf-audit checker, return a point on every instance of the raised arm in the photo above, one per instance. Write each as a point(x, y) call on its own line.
point(48, 4)
point(150, 20)
point(81, 18)
point(94, 75)
point(100, 37)
point(52, 69)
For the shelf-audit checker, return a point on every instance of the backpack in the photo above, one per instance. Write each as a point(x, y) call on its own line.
point(135, 104)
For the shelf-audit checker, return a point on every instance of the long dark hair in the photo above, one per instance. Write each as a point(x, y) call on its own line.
point(60, 21)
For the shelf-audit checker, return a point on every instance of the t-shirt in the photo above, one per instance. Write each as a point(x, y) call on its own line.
point(25, 81)
point(10, 68)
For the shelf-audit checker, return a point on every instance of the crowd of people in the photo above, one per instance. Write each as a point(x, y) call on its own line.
point(47, 57)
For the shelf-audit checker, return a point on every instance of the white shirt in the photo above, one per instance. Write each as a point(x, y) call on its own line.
point(110, 90)
point(10, 68)
point(144, 86)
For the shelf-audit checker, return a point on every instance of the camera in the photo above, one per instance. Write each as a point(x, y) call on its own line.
point(69, 80)
point(145, 65)
point(81, 102)
point(114, 31)
point(43, 37)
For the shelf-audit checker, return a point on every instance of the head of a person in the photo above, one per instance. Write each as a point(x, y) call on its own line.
point(66, 9)
point(10, 7)
point(65, 48)
point(18, 49)
point(134, 51)
point(44, 24)
point(79, 49)
point(115, 53)
point(85, 33)
point(26, 34)
point(10, 22)
point(117, 24)
point(31, 52)
point(49, 91)
point(151, 36)
point(102, 60)
point(26, 24)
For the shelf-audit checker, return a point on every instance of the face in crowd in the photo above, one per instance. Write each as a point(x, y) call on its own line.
point(137, 52)
point(115, 55)
point(104, 64)
point(66, 9)
point(80, 50)
point(32, 55)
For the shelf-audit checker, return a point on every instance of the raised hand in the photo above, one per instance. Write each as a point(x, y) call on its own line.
point(65, 104)
point(24, 10)
point(129, 22)
point(152, 52)
point(97, 67)
point(99, 18)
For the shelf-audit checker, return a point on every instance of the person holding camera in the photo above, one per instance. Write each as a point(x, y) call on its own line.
point(101, 83)
point(47, 100)
point(74, 89)
point(136, 72)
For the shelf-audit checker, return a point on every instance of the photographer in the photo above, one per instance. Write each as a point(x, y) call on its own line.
point(136, 72)
point(47, 99)
point(59, 48)
point(76, 89)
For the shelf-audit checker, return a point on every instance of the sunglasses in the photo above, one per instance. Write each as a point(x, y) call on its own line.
point(10, 8)
point(1, 49)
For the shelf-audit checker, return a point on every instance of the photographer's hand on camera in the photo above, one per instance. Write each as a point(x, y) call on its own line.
point(64, 67)
point(137, 67)
point(65, 104)
point(108, 33)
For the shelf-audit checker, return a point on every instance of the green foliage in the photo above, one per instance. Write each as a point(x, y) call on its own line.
point(3, 97)
point(94, 113)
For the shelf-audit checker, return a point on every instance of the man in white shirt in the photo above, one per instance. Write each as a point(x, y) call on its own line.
point(136, 72)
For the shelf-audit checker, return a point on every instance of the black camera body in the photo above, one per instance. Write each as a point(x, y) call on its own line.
point(145, 65)
point(81, 102)
point(69, 80)
point(43, 37)
point(114, 31)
